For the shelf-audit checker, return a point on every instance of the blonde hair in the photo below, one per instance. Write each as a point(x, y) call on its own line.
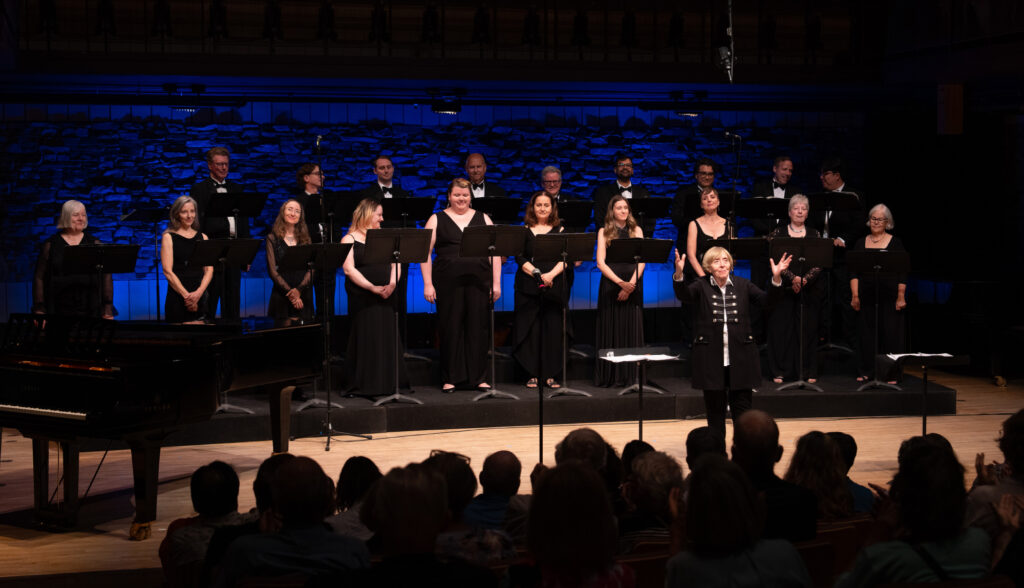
point(610, 230)
point(363, 214)
point(68, 209)
point(713, 254)
point(175, 221)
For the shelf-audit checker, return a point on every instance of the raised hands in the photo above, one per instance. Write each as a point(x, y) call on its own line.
point(781, 266)
point(680, 261)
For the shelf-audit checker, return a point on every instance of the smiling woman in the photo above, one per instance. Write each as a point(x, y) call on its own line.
point(186, 292)
point(291, 300)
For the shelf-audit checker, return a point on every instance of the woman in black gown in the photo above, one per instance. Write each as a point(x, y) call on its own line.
point(460, 288)
point(540, 294)
point(784, 320)
point(186, 286)
point(701, 231)
point(372, 307)
point(620, 297)
point(54, 291)
point(892, 302)
point(291, 300)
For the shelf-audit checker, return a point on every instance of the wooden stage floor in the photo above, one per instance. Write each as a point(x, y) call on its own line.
point(101, 541)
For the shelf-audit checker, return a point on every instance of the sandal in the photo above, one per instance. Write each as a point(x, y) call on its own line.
point(551, 383)
point(531, 383)
point(448, 388)
point(777, 379)
point(484, 387)
point(812, 380)
point(862, 378)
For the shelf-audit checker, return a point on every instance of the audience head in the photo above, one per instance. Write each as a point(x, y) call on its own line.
point(263, 484)
point(818, 466)
point(356, 477)
point(1011, 443)
point(68, 212)
point(847, 448)
point(702, 441)
point(584, 445)
point(755, 443)
point(929, 490)
point(214, 489)
point(501, 474)
point(571, 530)
point(458, 477)
point(914, 442)
point(655, 475)
point(723, 513)
point(407, 509)
point(630, 452)
point(303, 493)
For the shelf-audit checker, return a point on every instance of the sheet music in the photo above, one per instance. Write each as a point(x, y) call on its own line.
point(645, 357)
point(896, 356)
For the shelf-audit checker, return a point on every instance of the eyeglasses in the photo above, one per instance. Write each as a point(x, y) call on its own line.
point(551, 182)
point(875, 219)
point(437, 452)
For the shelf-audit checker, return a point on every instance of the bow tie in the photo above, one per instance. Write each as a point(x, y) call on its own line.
point(385, 190)
point(621, 189)
point(479, 186)
point(777, 185)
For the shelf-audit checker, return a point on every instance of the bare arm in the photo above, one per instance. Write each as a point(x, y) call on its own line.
point(167, 263)
point(638, 234)
point(855, 293)
point(495, 270)
point(691, 248)
point(427, 267)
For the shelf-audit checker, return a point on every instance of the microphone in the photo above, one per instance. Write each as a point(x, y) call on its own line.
point(316, 148)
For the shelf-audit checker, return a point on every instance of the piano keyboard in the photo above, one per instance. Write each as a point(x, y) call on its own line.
point(44, 412)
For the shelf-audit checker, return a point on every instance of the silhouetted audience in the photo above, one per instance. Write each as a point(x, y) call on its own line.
point(920, 532)
point(657, 478)
point(818, 466)
point(791, 510)
point(499, 479)
point(863, 498)
point(354, 481)
point(703, 441)
point(630, 452)
point(994, 483)
point(723, 522)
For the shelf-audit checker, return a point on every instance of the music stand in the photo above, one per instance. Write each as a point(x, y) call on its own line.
point(830, 202)
point(637, 251)
point(101, 259)
point(877, 262)
point(154, 216)
point(575, 215)
point(411, 211)
point(492, 241)
point(807, 252)
point(397, 247)
point(745, 248)
point(771, 210)
point(221, 253)
point(503, 211)
point(649, 209)
point(925, 360)
point(338, 207)
point(564, 248)
point(640, 356)
point(225, 204)
point(727, 200)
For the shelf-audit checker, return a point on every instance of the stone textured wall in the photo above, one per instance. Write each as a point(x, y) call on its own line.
point(114, 158)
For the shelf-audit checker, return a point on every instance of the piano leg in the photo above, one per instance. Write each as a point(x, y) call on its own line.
point(280, 417)
point(146, 474)
point(61, 514)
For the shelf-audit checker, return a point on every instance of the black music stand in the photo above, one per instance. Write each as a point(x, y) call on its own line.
point(566, 248)
point(410, 211)
point(503, 211)
point(640, 356)
point(637, 251)
point(727, 200)
point(771, 210)
point(249, 204)
point(925, 360)
point(648, 211)
point(338, 208)
point(576, 214)
point(877, 262)
point(101, 259)
point(492, 241)
point(398, 247)
point(807, 252)
point(153, 215)
point(221, 253)
point(830, 202)
point(745, 248)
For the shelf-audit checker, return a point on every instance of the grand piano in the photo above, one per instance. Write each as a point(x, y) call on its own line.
point(66, 378)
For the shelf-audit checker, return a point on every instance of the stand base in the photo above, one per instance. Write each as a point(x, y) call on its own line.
point(636, 388)
point(802, 385)
point(328, 431)
point(397, 397)
point(316, 403)
point(566, 391)
point(228, 408)
point(877, 384)
point(494, 393)
point(500, 354)
point(580, 354)
point(834, 347)
point(408, 355)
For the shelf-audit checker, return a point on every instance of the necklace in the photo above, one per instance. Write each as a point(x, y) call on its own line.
point(799, 231)
point(878, 239)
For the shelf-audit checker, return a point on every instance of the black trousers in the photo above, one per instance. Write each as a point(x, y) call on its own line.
point(740, 401)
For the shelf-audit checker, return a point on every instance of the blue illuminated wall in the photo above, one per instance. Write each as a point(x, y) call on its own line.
point(116, 157)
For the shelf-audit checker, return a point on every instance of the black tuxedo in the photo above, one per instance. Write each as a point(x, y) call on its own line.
point(374, 192)
point(228, 281)
point(604, 193)
point(847, 225)
point(312, 210)
point(491, 190)
point(765, 189)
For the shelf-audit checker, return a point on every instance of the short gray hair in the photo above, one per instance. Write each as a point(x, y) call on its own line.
point(550, 169)
point(797, 198)
point(69, 208)
point(889, 224)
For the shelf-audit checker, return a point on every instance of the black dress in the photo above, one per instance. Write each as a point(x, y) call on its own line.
point(539, 312)
point(703, 244)
point(784, 320)
point(371, 355)
point(463, 287)
point(279, 307)
point(891, 323)
point(190, 278)
point(55, 291)
point(619, 324)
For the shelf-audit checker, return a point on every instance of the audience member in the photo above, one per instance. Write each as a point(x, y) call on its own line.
point(214, 489)
point(818, 466)
point(921, 523)
point(723, 524)
point(356, 477)
point(702, 441)
point(656, 479)
point(984, 499)
point(630, 452)
point(303, 496)
point(458, 539)
point(500, 479)
point(863, 498)
point(791, 510)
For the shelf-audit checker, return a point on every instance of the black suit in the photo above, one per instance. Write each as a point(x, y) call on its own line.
point(604, 193)
point(491, 190)
point(230, 279)
point(375, 192)
point(766, 189)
